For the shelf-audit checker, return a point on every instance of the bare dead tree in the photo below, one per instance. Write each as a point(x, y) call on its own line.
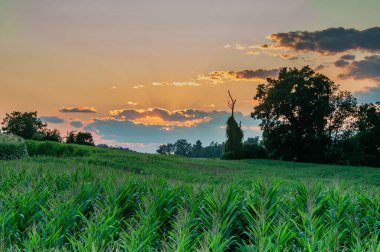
point(231, 104)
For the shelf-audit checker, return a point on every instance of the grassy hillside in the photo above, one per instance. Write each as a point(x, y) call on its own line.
point(84, 198)
point(186, 170)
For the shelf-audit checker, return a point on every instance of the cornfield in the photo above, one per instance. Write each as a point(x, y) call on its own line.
point(84, 211)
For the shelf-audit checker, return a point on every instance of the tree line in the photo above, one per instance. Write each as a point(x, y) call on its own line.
point(304, 117)
point(183, 148)
point(29, 126)
point(252, 148)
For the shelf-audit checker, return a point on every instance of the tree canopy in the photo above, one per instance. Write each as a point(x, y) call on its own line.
point(23, 124)
point(82, 138)
point(301, 113)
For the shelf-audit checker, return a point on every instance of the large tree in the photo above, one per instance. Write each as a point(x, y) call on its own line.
point(197, 149)
point(23, 124)
point(166, 149)
point(182, 148)
point(301, 112)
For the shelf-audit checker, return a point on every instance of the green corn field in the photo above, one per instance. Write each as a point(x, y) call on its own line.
point(89, 203)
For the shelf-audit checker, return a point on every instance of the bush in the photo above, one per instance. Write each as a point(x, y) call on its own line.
point(254, 151)
point(47, 135)
point(230, 155)
point(47, 148)
point(12, 147)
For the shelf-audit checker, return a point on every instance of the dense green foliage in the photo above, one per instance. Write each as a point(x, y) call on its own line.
point(253, 148)
point(22, 124)
point(47, 148)
point(81, 138)
point(214, 150)
point(12, 147)
point(183, 148)
point(119, 200)
point(233, 147)
point(303, 115)
point(369, 134)
point(48, 135)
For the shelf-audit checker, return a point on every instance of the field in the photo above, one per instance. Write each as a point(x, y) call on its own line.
point(84, 198)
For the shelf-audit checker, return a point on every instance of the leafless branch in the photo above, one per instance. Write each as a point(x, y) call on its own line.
point(231, 104)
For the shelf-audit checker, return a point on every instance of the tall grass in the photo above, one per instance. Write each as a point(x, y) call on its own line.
point(12, 147)
point(81, 210)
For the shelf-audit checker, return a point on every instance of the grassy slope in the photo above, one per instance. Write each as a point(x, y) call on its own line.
point(200, 171)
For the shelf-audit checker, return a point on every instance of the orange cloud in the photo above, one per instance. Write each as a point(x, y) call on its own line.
point(162, 117)
point(153, 120)
point(177, 84)
point(218, 77)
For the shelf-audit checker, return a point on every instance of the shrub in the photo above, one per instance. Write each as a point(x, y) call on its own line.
point(47, 148)
point(12, 147)
point(47, 135)
point(254, 151)
point(230, 155)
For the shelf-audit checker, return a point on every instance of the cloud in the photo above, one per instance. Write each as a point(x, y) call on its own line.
point(132, 103)
point(162, 117)
point(255, 74)
point(348, 57)
point(186, 83)
point(126, 130)
point(159, 84)
point(241, 47)
point(341, 63)
point(78, 110)
point(328, 41)
point(76, 124)
point(370, 95)
point(177, 84)
point(368, 68)
point(52, 119)
point(217, 77)
point(320, 67)
point(138, 86)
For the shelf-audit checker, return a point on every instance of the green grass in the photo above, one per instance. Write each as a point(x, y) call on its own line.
point(97, 199)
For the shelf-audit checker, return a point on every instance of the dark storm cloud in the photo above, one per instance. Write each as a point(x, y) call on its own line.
point(76, 124)
point(77, 110)
point(51, 119)
point(368, 68)
point(332, 40)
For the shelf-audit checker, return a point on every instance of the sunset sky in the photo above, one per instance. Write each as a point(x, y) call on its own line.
point(140, 73)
